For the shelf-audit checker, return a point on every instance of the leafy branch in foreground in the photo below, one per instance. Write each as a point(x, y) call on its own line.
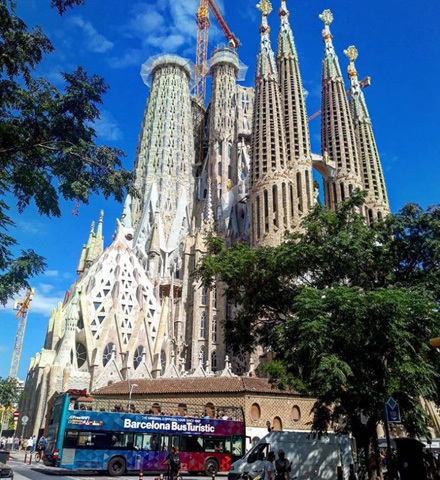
point(48, 148)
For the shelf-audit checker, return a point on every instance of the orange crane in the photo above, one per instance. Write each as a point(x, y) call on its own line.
point(203, 23)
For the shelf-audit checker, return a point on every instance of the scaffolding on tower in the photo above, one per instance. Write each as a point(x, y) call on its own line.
point(201, 67)
point(23, 310)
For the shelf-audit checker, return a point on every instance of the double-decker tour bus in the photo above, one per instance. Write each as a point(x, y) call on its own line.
point(80, 438)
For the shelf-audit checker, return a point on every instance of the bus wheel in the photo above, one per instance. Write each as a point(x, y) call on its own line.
point(116, 466)
point(211, 466)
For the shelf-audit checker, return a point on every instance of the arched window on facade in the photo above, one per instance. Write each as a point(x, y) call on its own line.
point(277, 424)
point(203, 325)
point(214, 329)
point(214, 361)
point(204, 299)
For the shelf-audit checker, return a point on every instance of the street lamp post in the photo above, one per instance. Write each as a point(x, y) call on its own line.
point(132, 386)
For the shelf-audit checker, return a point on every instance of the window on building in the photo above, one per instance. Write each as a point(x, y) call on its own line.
point(203, 325)
point(137, 357)
point(203, 354)
point(214, 361)
point(277, 424)
point(204, 300)
point(81, 354)
point(215, 297)
point(295, 413)
point(108, 353)
point(214, 329)
point(255, 412)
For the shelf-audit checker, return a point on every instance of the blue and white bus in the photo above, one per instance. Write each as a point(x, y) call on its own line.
point(117, 442)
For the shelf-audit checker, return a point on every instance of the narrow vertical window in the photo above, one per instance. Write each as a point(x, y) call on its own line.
point(203, 325)
point(266, 211)
point(275, 205)
point(309, 197)
point(299, 192)
point(204, 296)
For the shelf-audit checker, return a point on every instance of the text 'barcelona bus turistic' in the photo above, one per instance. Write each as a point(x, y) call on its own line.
point(117, 442)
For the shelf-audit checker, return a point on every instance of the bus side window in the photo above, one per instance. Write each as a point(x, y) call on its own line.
point(175, 441)
point(70, 440)
point(155, 442)
point(164, 443)
point(116, 440)
point(237, 446)
point(138, 441)
point(191, 443)
point(128, 441)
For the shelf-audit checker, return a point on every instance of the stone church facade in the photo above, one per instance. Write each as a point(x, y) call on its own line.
point(135, 312)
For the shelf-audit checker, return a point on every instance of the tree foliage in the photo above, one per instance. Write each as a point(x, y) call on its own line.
point(9, 392)
point(48, 147)
point(348, 310)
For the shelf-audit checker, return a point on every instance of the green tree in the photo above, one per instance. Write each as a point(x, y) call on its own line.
point(348, 311)
point(48, 147)
point(9, 392)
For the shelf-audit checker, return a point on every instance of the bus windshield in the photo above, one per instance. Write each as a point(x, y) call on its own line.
point(122, 441)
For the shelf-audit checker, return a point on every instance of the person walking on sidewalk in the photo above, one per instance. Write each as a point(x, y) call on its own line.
point(30, 444)
point(268, 467)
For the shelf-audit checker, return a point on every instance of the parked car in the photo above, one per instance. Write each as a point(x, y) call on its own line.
point(6, 471)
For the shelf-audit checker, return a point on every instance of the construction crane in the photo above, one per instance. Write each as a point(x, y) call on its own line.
point(203, 23)
point(23, 309)
point(364, 83)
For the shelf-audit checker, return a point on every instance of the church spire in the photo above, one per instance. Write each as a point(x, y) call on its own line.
point(94, 247)
point(338, 140)
point(295, 118)
point(286, 43)
point(266, 66)
point(270, 204)
point(376, 203)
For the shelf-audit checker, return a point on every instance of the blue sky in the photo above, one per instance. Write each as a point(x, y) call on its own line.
point(398, 44)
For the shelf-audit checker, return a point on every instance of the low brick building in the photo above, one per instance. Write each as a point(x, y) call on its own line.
point(263, 405)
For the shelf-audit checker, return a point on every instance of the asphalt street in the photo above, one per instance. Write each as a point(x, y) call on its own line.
point(38, 471)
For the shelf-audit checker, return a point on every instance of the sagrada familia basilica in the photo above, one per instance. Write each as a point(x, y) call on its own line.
point(241, 170)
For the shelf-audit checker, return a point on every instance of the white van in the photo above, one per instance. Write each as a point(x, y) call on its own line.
point(322, 458)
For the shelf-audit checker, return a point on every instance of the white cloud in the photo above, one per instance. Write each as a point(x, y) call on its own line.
point(45, 288)
point(42, 303)
point(51, 273)
point(145, 19)
point(165, 26)
point(129, 59)
point(96, 42)
point(107, 127)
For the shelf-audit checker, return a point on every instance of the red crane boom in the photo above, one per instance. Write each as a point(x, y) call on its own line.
point(233, 41)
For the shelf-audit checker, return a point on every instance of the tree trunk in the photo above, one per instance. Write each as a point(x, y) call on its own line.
point(372, 455)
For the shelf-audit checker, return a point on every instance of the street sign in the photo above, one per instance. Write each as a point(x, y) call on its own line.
point(393, 411)
point(16, 415)
point(24, 420)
